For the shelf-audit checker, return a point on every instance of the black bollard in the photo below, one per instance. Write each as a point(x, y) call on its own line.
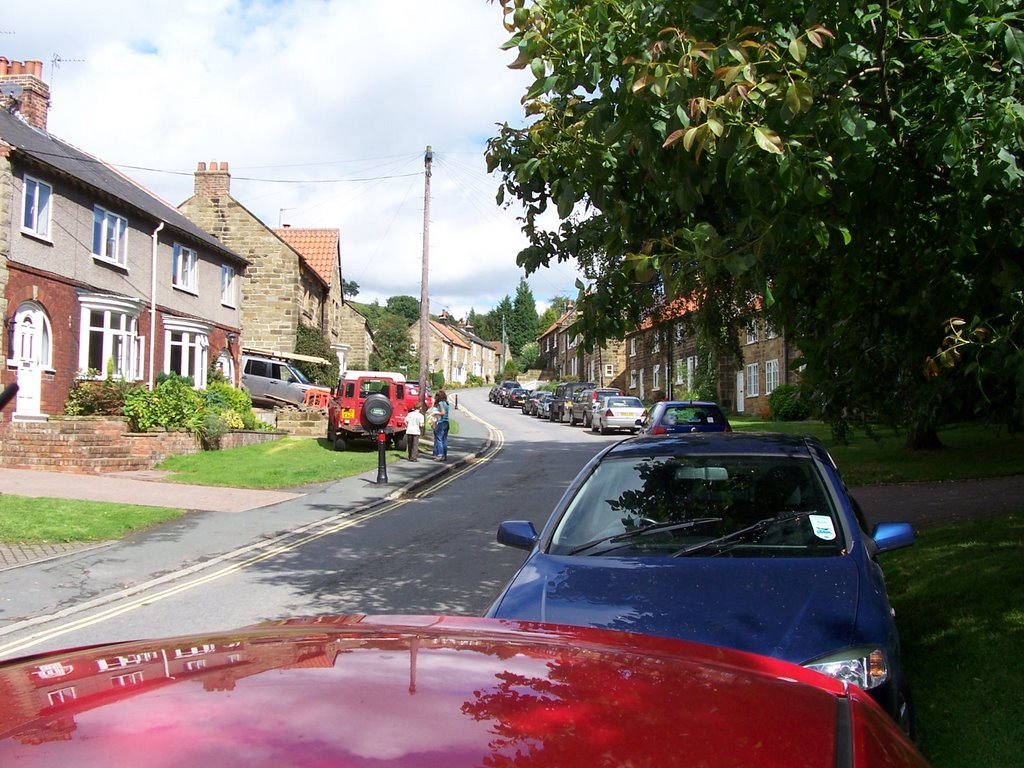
point(382, 458)
point(456, 402)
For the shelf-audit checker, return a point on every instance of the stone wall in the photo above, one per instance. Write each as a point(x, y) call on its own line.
point(95, 444)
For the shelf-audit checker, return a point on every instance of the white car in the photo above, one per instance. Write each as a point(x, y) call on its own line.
point(618, 412)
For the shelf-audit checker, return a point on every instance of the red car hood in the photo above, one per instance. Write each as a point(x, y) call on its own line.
point(430, 691)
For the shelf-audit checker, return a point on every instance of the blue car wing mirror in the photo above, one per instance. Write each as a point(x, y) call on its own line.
point(890, 536)
point(517, 533)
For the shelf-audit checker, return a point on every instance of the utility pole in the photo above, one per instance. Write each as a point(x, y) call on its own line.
point(424, 342)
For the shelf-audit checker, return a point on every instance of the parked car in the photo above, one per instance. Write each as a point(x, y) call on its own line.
point(407, 691)
point(412, 395)
point(584, 403)
point(365, 404)
point(530, 406)
point(748, 541)
point(669, 417)
point(274, 381)
point(498, 391)
point(561, 405)
point(618, 412)
point(544, 406)
point(516, 397)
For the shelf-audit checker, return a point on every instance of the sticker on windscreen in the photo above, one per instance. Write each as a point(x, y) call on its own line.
point(823, 527)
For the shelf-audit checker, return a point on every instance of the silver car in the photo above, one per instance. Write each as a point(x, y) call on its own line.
point(618, 412)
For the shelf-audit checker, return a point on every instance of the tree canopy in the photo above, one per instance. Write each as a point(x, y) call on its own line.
point(852, 170)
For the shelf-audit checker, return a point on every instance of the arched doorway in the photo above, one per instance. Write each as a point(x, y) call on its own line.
point(31, 352)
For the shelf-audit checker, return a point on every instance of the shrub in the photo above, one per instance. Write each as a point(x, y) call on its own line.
point(787, 403)
point(102, 397)
point(172, 405)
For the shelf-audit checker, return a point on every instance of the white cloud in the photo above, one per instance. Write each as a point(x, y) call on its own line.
point(338, 97)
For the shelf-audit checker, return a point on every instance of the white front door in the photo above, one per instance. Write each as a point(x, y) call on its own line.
point(740, 384)
point(30, 346)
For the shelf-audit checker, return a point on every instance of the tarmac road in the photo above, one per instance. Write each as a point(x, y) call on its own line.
point(921, 504)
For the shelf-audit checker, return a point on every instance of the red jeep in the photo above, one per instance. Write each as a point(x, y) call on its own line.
point(366, 403)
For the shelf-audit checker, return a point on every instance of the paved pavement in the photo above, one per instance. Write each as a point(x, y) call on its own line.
point(150, 488)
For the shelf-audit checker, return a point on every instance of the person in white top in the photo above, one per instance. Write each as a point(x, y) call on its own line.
point(413, 430)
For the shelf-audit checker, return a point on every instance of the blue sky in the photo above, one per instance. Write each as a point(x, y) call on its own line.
point(322, 108)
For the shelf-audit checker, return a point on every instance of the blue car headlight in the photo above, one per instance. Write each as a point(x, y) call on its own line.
point(864, 666)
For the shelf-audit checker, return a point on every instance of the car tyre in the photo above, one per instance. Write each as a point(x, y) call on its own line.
point(604, 430)
point(340, 444)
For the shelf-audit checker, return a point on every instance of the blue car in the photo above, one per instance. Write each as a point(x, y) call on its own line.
point(669, 417)
point(748, 541)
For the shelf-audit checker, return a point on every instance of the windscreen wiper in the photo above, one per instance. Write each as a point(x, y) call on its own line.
point(647, 530)
point(753, 531)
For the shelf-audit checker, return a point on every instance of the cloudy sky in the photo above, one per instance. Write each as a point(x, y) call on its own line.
point(323, 110)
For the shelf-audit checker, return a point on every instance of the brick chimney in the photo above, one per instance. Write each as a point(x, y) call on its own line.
point(22, 86)
point(213, 182)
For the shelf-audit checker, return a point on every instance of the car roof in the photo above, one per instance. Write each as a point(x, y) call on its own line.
point(718, 443)
point(685, 403)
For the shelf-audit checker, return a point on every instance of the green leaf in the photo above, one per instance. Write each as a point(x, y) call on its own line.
point(797, 50)
point(537, 67)
point(1014, 41)
point(716, 126)
point(768, 140)
point(566, 199)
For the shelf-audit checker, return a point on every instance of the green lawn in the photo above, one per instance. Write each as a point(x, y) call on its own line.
point(971, 451)
point(958, 594)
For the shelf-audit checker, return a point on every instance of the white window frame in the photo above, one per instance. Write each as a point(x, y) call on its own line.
point(656, 377)
point(691, 372)
point(753, 388)
point(184, 267)
point(192, 340)
point(109, 236)
point(680, 371)
point(655, 342)
point(609, 370)
point(632, 347)
point(119, 336)
point(228, 286)
point(632, 379)
point(752, 332)
point(36, 207)
point(771, 376)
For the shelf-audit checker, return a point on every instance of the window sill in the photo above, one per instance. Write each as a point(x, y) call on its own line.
point(33, 235)
point(109, 262)
point(185, 289)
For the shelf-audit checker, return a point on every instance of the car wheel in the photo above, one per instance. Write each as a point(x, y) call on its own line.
point(330, 431)
point(572, 418)
point(340, 444)
point(604, 430)
point(400, 442)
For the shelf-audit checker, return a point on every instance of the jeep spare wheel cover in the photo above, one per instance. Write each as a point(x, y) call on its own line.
point(376, 410)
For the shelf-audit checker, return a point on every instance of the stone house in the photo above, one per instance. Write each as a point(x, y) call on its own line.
point(561, 353)
point(98, 276)
point(665, 359)
point(281, 288)
point(347, 330)
point(449, 351)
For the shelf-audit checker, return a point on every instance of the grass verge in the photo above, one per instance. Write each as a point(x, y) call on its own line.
point(958, 594)
point(31, 520)
point(970, 451)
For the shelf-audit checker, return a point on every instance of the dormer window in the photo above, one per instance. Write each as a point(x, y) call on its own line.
point(109, 236)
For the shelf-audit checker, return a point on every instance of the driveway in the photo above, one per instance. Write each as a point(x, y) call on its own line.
point(926, 505)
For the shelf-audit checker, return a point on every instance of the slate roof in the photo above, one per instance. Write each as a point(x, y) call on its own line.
point(317, 247)
point(42, 149)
